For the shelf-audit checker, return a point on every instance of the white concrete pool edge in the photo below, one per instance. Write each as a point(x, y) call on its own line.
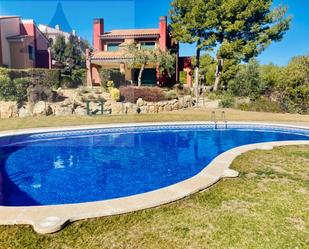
point(49, 219)
point(139, 124)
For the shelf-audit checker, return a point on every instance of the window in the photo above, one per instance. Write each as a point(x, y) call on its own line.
point(31, 53)
point(113, 46)
point(148, 45)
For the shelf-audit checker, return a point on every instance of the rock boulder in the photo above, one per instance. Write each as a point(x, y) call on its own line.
point(8, 109)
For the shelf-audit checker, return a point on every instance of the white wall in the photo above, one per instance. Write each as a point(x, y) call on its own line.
point(9, 27)
point(52, 33)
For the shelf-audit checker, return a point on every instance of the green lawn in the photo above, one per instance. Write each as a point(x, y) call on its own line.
point(266, 207)
point(186, 115)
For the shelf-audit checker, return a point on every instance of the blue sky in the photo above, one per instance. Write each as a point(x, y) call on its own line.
point(121, 14)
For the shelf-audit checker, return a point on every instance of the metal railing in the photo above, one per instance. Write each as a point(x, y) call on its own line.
point(99, 111)
point(216, 121)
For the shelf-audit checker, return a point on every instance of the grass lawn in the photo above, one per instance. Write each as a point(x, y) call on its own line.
point(186, 115)
point(266, 207)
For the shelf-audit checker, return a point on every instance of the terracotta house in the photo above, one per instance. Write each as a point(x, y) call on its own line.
point(110, 53)
point(22, 44)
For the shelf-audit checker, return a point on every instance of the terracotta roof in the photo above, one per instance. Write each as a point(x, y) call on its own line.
point(7, 17)
point(131, 33)
point(107, 55)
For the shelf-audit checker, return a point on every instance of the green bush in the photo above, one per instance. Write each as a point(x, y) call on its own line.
point(46, 77)
point(21, 85)
point(261, 105)
point(247, 82)
point(110, 84)
point(227, 101)
point(76, 78)
point(4, 71)
point(115, 94)
point(7, 89)
point(170, 95)
point(114, 75)
point(294, 85)
point(214, 95)
point(183, 77)
point(15, 90)
point(296, 99)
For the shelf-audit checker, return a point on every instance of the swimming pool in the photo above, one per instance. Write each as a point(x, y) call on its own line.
point(90, 165)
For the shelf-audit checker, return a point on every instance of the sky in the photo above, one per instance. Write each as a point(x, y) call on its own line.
point(125, 14)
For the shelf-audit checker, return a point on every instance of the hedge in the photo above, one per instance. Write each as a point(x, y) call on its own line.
point(14, 82)
point(47, 77)
point(114, 75)
point(132, 94)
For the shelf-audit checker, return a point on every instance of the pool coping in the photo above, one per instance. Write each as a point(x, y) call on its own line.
point(50, 219)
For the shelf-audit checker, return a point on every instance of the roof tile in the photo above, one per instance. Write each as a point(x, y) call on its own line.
point(131, 33)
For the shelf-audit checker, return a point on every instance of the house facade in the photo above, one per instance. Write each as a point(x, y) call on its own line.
point(53, 32)
point(22, 44)
point(110, 53)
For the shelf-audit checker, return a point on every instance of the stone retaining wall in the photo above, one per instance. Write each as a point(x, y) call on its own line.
point(72, 107)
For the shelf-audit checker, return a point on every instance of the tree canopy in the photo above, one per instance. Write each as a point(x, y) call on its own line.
point(71, 55)
point(140, 58)
point(237, 29)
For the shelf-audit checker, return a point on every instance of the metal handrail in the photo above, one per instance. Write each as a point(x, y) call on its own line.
point(214, 119)
point(223, 117)
point(90, 113)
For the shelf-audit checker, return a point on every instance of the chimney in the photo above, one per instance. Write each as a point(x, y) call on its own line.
point(74, 32)
point(98, 30)
point(163, 33)
point(57, 27)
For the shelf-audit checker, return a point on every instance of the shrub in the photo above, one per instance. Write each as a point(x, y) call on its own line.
point(182, 77)
point(4, 71)
point(38, 92)
point(261, 105)
point(132, 94)
point(296, 99)
point(107, 75)
point(214, 95)
point(115, 94)
point(110, 84)
point(7, 89)
point(227, 101)
point(170, 95)
point(247, 82)
point(21, 85)
point(47, 77)
point(15, 90)
point(181, 89)
point(294, 85)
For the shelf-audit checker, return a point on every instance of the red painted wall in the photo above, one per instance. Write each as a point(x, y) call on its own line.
point(98, 30)
point(40, 44)
point(163, 32)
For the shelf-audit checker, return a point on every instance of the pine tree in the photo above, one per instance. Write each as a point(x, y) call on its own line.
point(237, 29)
point(58, 49)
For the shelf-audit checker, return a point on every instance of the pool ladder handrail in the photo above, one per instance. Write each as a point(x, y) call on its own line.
point(223, 118)
point(214, 119)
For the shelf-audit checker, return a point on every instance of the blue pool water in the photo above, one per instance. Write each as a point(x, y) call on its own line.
point(92, 165)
